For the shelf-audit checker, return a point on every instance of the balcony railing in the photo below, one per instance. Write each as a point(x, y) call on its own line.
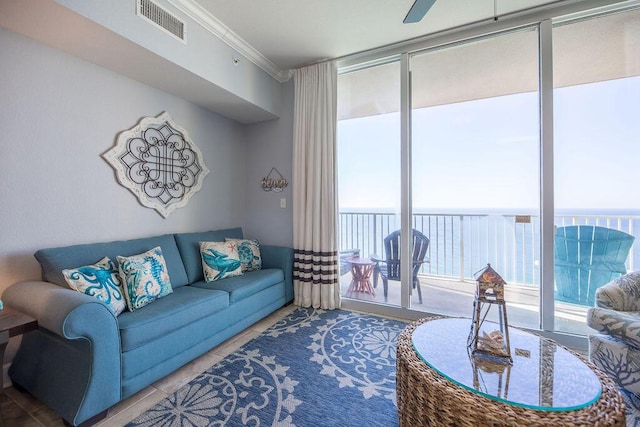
point(461, 244)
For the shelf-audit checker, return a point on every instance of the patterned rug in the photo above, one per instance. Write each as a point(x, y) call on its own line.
point(313, 368)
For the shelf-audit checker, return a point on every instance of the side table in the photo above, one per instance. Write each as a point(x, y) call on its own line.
point(361, 271)
point(12, 324)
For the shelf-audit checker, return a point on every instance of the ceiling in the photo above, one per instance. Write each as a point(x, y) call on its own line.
point(293, 33)
point(276, 35)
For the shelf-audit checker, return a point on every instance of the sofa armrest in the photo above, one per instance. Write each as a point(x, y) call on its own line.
point(621, 294)
point(91, 386)
point(623, 325)
point(280, 257)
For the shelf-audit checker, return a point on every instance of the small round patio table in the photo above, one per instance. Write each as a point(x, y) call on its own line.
point(438, 382)
point(361, 272)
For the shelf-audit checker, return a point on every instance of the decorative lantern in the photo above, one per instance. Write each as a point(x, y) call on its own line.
point(487, 338)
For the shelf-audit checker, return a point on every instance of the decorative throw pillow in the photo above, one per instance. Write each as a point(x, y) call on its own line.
point(100, 280)
point(145, 278)
point(249, 253)
point(219, 260)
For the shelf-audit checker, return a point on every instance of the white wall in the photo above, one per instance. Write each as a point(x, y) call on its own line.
point(203, 53)
point(58, 114)
point(270, 144)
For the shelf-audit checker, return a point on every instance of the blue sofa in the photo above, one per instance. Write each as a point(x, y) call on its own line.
point(83, 359)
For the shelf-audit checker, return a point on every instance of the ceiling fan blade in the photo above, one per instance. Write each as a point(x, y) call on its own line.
point(418, 10)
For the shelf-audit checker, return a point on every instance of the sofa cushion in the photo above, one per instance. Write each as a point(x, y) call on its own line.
point(185, 305)
point(189, 246)
point(144, 277)
point(100, 280)
point(220, 260)
point(241, 287)
point(249, 253)
point(54, 260)
point(169, 352)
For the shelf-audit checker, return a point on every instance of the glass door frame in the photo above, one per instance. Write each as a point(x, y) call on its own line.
point(406, 211)
point(547, 207)
point(543, 20)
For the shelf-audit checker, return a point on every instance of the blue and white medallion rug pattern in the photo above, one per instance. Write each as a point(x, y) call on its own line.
point(313, 368)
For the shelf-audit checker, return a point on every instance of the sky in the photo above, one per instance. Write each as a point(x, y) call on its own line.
point(484, 154)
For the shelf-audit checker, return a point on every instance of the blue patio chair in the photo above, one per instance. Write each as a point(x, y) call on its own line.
point(587, 257)
point(389, 268)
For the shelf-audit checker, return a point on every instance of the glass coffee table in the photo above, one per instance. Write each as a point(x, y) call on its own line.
point(440, 383)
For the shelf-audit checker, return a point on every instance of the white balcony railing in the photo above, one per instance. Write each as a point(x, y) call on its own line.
point(461, 244)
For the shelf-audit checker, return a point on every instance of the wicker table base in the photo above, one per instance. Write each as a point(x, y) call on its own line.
point(425, 398)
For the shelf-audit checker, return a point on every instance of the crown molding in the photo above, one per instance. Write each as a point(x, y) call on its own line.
point(212, 24)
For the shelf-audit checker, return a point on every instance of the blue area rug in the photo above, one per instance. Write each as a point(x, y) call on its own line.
point(313, 368)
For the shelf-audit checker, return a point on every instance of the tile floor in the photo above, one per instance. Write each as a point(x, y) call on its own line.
point(21, 410)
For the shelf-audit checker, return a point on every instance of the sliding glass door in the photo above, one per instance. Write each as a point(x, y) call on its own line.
point(475, 170)
point(473, 164)
point(368, 177)
point(597, 143)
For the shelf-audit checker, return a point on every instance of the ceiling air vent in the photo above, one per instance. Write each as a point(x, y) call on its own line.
point(161, 18)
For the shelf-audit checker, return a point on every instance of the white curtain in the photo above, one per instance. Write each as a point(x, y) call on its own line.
point(315, 268)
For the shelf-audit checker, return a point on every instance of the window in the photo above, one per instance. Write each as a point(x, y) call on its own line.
point(368, 165)
point(596, 134)
point(475, 148)
point(475, 174)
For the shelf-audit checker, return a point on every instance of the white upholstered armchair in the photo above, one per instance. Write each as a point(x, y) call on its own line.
point(616, 317)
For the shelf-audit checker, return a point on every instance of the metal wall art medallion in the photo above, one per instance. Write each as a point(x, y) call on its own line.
point(157, 161)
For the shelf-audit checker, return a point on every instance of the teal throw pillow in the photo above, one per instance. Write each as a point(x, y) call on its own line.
point(145, 278)
point(220, 260)
point(100, 280)
point(249, 254)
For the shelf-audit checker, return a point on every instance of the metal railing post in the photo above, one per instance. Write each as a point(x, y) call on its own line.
point(631, 252)
point(375, 235)
point(461, 248)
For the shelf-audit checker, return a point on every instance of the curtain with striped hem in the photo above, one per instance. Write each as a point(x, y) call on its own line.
point(315, 269)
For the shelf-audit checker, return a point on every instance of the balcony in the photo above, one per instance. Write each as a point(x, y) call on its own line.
point(463, 243)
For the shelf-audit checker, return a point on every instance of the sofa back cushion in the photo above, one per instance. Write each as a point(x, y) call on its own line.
point(189, 246)
point(54, 260)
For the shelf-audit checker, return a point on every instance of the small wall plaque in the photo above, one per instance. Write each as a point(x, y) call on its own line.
point(274, 181)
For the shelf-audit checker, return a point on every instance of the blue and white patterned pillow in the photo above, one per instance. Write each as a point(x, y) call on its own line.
point(249, 253)
point(145, 278)
point(220, 260)
point(100, 280)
